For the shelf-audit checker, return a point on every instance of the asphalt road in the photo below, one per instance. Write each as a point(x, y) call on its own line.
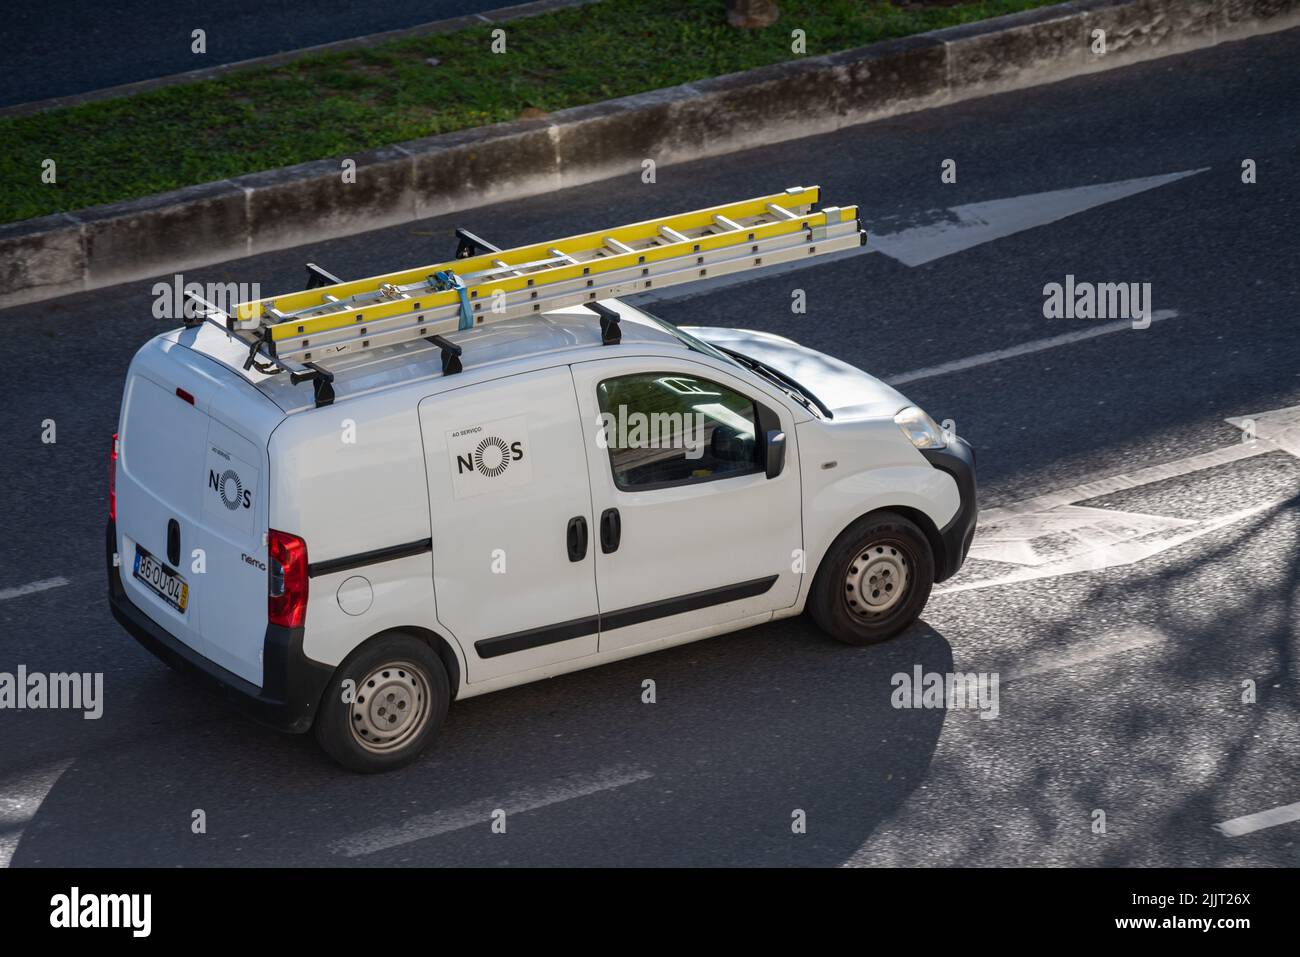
point(1121, 684)
point(140, 40)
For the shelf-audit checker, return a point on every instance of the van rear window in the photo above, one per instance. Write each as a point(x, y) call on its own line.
point(163, 443)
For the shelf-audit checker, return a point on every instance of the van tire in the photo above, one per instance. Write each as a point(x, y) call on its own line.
point(416, 692)
point(878, 549)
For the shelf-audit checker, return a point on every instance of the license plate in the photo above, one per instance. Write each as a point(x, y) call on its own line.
point(163, 582)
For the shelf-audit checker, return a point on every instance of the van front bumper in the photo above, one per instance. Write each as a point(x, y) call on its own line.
point(292, 683)
point(958, 460)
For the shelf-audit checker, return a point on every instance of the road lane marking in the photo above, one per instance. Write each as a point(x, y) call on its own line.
point(1104, 647)
point(1049, 536)
point(974, 224)
point(20, 799)
point(1146, 476)
point(1257, 822)
point(1024, 349)
point(958, 228)
point(1043, 538)
point(1107, 556)
point(479, 813)
point(32, 588)
point(1278, 427)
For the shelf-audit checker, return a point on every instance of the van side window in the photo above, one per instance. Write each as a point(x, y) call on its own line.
point(665, 428)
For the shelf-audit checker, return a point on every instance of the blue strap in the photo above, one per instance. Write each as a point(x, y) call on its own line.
point(449, 280)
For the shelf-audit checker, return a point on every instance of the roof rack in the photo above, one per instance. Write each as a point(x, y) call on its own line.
point(299, 333)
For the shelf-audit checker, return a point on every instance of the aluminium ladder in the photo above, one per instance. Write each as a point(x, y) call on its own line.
point(299, 333)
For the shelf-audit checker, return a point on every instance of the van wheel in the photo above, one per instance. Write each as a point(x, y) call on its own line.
point(396, 701)
point(874, 580)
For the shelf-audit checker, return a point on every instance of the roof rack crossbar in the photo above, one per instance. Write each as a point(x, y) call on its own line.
point(318, 276)
point(610, 333)
point(470, 245)
point(195, 310)
point(450, 354)
point(321, 379)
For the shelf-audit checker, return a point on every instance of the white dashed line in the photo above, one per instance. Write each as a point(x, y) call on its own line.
point(1257, 822)
point(42, 585)
point(1024, 349)
point(20, 799)
point(1128, 640)
point(479, 813)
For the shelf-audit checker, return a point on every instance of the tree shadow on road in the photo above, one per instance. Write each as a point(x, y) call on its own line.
point(1154, 733)
point(746, 730)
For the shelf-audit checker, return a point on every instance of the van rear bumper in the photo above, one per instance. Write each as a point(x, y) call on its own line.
point(292, 683)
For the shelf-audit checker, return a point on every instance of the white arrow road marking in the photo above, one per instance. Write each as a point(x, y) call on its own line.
point(1024, 349)
point(1109, 556)
point(979, 223)
point(1257, 822)
point(20, 799)
point(479, 813)
point(961, 228)
point(21, 590)
point(1064, 533)
point(1050, 536)
point(1280, 428)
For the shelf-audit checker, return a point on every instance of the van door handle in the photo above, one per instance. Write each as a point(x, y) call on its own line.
point(174, 542)
point(577, 538)
point(611, 530)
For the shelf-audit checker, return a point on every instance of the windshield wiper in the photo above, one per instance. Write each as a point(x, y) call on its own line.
point(787, 385)
point(779, 379)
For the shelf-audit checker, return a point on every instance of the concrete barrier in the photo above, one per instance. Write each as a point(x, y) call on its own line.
point(277, 209)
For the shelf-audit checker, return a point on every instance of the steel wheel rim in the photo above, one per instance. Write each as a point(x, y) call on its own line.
point(878, 579)
point(391, 707)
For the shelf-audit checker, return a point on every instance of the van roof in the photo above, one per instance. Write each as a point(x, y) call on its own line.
point(522, 341)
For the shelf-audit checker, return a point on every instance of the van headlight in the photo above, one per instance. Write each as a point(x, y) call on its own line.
point(920, 429)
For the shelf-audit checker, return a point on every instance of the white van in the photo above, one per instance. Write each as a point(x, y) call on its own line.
point(560, 502)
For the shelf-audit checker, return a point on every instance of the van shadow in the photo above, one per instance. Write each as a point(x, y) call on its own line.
point(745, 731)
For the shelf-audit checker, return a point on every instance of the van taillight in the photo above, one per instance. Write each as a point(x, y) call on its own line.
point(112, 480)
point(287, 598)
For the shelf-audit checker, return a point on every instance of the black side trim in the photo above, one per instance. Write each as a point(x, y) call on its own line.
point(667, 607)
point(536, 637)
point(369, 558)
point(582, 627)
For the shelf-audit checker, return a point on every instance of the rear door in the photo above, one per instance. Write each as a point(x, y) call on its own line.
point(191, 503)
point(511, 512)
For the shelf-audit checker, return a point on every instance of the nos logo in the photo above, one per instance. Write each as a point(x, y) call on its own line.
point(231, 489)
point(491, 457)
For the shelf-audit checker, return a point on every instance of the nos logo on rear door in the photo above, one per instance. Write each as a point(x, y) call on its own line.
point(489, 457)
point(231, 489)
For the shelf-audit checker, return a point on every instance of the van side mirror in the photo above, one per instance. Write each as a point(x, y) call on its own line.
point(775, 452)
